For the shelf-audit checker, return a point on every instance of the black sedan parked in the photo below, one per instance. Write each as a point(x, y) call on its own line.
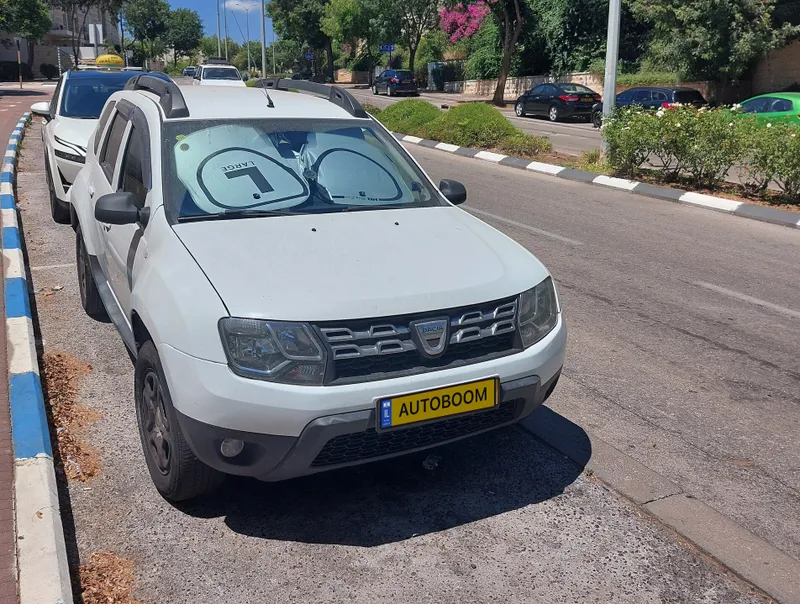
point(395, 81)
point(652, 97)
point(557, 101)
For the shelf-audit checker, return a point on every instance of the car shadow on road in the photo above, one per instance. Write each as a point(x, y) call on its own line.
point(394, 500)
point(23, 92)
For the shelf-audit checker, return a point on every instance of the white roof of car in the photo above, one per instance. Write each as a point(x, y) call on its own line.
point(222, 103)
point(223, 66)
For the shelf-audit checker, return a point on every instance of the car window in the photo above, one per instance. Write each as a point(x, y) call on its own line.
point(56, 98)
point(658, 95)
point(101, 125)
point(549, 89)
point(757, 105)
point(132, 171)
point(113, 140)
point(576, 88)
point(198, 73)
point(84, 97)
point(294, 166)
point(781, 105)
point(383, 74)
point(641, 96)
point(537, 90)
point(403, 73)
point(689, 96)
point(221, 73)
point(626, 96)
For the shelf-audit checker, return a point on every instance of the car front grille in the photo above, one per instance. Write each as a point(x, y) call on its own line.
point(378, 349)
point(371, 444)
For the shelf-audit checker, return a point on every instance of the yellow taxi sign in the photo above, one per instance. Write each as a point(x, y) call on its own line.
point(110, 60)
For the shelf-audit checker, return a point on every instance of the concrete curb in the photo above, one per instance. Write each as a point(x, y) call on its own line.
point(710, 202)
point(750, 557)
point(41, 549)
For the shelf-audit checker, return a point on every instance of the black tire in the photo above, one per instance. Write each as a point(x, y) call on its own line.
point(375, 90)
point(59, 211)
point(90, 297)
point(553, 113)
point(175, 471)
point(519, 109)
point(389, 91)
point(597, 119)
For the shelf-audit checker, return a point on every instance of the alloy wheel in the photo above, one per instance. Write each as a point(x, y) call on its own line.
point(155, 422)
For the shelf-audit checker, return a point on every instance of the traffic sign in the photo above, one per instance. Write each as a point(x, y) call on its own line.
point(309, 56)
point(387, 47)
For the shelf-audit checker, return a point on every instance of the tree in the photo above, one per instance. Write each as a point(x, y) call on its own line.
point(711, 40)
point(208, 46)
point(239, 59)
point(354, 21)
point(415, 17)
point(28, 19)
point(149, 21)
point(464, 20)
point(184, 32)
point(300, 20)
point(77, 12)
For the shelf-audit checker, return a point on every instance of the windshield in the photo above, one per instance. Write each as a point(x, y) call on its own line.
point(221, 73)
point(84, 97)
point(576, 88)
point(689, 96)
point(214, 167)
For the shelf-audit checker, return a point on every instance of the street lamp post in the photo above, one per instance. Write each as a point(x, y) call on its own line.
point(219, 48)
point(612, 53)
point(225, 23)
point(246, 10)
point(263, 40)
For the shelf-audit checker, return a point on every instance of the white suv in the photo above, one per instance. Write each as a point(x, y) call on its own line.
point(298, 294)
point(218, 75)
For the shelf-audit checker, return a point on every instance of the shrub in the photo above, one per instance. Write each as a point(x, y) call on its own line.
point(48, 70)
point(759, 155)
point(470, 125)
point(9, 71)
point(408, 116)
point(631, 136)
point(525, 145)
point(373, 110)
point(787, 164)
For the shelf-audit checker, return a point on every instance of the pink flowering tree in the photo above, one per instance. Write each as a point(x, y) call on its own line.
point(463, 19)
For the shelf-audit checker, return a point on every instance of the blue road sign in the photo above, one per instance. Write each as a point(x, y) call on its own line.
point(309, 56)
point(387, 47)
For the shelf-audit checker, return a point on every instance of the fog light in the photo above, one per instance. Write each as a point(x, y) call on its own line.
point(231, 447)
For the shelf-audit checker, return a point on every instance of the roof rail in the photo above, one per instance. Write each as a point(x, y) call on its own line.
point(338, 96)
point(170, 97)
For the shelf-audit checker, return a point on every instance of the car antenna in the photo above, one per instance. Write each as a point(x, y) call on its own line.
point(270, 104)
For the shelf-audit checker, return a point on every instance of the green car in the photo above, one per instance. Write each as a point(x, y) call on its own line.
point(775, 107)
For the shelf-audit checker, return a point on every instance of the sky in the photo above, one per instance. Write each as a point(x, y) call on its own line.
point(208, 14)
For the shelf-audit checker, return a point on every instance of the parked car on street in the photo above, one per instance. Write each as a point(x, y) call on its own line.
point(775, 107)
point(189, 71)
point(218, 75)
point(246, 249)
point(652, 97)
point(395, 81)
point(71, 116)
point(557, 101)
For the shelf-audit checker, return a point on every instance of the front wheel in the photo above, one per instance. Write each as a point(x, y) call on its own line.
point(375, 89)
point(175, 471)
point(553, 113)
point(597, 119)
point(520, 109)
point(90, 296)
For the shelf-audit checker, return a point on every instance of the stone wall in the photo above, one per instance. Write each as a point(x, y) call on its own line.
point(345, 76)
point(779, 70)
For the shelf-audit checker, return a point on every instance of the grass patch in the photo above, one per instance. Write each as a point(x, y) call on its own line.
point(525, 145)
point(373, 110)
point(408, 116)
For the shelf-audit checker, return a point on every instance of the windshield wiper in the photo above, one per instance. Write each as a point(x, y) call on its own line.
point(233, 214)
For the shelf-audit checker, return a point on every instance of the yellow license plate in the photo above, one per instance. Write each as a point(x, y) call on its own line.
point(434, 404)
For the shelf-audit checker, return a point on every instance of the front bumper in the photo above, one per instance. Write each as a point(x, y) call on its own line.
point(66, 173)
point(347, 439)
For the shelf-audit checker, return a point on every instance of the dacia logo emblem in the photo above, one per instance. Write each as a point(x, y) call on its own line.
point(431, 336)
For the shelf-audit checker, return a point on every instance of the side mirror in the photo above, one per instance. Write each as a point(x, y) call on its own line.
point(120, 208)
point(41, 108)
point(454, 191)
point(245, 77)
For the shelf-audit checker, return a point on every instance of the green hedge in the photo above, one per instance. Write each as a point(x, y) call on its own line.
point(704, 146)
point(476, 125)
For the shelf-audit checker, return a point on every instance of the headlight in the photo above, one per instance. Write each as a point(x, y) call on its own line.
point(268, 350)
point(78, 159)
point(538, 312)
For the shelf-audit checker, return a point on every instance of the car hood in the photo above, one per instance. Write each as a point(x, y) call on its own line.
point(71, 132)
point(358, 264)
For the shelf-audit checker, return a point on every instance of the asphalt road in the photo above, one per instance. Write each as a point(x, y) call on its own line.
point(573, 137)
point(701, 385)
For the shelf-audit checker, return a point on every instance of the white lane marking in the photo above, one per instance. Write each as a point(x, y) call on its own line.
point(47, 267)
point(546, 168)
point(617, 183)
point(489, 156)
point(448, 147)
point(763, 303)
point(708, 201)
point(412, 139)
point(525, 227)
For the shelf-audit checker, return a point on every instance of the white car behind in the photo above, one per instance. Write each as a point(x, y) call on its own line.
point(218, 75)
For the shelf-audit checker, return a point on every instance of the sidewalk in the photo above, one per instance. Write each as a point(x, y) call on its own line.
point(12, 106)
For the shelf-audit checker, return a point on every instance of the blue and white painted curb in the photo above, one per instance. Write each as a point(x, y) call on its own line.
point(41, 550)
point(718, 204)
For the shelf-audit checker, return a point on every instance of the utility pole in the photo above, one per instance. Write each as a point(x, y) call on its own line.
point(225, 25)
point(612, 53)
point(263, 39)
point(219, 35)
point(246, 10)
